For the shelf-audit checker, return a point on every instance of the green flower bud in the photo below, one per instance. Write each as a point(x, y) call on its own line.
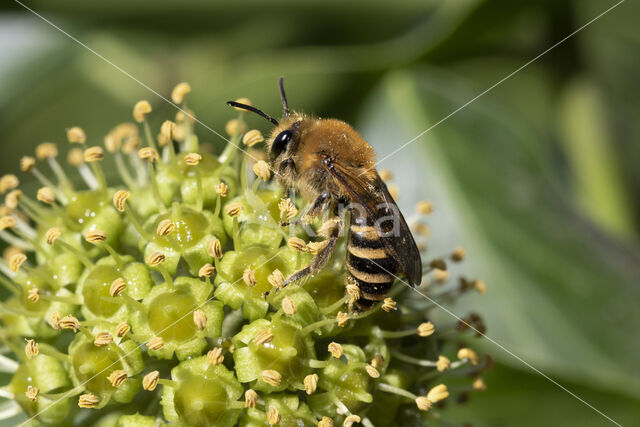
point(189, 239)
point(326, 287)
point(291, 412)
point(231, 288)
point(96, 283)
point(168, 179)
point(345, 378)
point(143, 204)
point(27, 317)
point(169, 314)
point(91, 210)
point(210, 176)
point(287, 353)
point(258, 219)
point(91, 366)
point(306, 309)
point(46, 374)
point(385, 405)
point(202, 394)
point(138, 420)
point(66, 269)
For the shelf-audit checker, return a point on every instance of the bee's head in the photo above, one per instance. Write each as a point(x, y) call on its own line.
point(284, 142)
point(284, 137)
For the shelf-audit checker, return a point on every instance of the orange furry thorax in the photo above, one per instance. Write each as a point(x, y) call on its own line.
point(317, 139)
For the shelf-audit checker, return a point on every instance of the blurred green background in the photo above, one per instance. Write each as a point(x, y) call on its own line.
point(538, 179)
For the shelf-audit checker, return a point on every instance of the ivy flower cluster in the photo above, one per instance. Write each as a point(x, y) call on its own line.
point(143, 285)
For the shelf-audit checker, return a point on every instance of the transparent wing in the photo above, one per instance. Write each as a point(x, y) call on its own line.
point(378, 203)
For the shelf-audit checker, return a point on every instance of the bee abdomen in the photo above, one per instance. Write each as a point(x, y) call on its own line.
point(369, 265)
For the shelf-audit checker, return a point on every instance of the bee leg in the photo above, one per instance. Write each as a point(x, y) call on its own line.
point(297, 276)
point(323, 256)
point(316, 208)
point(318, 262)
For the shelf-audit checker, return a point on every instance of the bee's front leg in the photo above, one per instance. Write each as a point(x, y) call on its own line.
point(332, 227)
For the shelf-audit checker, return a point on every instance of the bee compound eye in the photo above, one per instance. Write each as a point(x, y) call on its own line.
point(280, 143)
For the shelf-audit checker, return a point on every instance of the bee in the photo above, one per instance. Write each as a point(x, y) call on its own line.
point(332, 166)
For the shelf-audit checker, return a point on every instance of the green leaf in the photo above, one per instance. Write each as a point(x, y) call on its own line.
point(559, 293)
point(525, 399)
point(589, 147)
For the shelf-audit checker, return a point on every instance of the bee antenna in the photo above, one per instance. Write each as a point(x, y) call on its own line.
point(283, 96)
point(253, 110)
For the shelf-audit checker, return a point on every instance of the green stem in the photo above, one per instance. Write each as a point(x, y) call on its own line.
point(367, 313)
point(231, 149)
point(235, 405)
point(51, 351)
point(336, 305)
point(155, 190)
point(172, 154)
point(74, 300)
point(236, 234)
point(413, 360)
point(228, 154)
point(123, 171)
point(114, 255)
point(48, 183)
point(33, 215)
point(120, 352)
point(316, 325)
point(28, 239)
point(255, 186)
point(16, 349)
point(428, 375)
point(395, 390)
point(339, 403)
point(86, 332)
point(65, 182)
point(34, 211)
point(317, 364)
point(40, 274)
point(136, 224)
point(60, 213)
point(216, 212)
point(165, 275)
point(243, 174)
point(15, 241)
point(398, 334)
point(147, 133)
point(366, 422)
point(63, 395)
point(6, 394)
point(10, 286)
point(200, 191)
point(133, 303)
point(25, 313)
point(176, 212)
point(75, 251)
point(99, 174)
point(169, 383)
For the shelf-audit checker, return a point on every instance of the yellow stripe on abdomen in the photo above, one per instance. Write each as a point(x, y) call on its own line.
point(369, 277)
point(368, 232)
point(369, 253)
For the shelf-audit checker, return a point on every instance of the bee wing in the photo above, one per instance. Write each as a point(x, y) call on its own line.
point(403, 243)
point(377, 201)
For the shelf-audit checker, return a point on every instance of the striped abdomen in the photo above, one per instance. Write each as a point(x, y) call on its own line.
point(368, 263)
